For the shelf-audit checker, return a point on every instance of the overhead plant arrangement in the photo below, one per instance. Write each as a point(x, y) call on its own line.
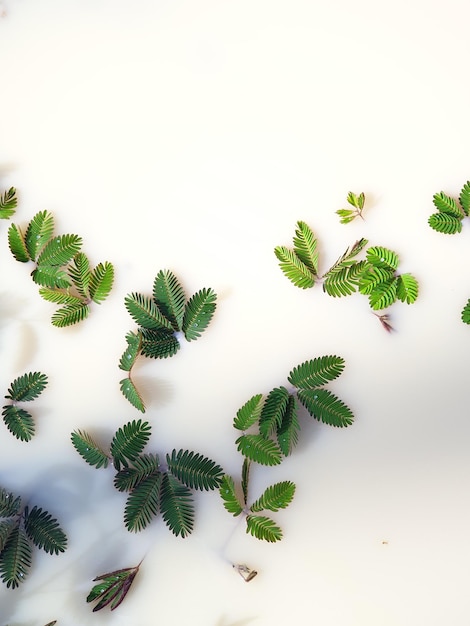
point(154, 487)
point(62, 271)
point(163, 319)
point(270, 427)
point(23, 389)
point(357, 202)
point(8, 203)
point(375, 276)
point(449, 219)
point(112, 588)
point(22, 529)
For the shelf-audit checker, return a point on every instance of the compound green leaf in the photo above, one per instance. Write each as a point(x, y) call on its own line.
point(176, 505)
point(59, 297)
point(51, 276)
point(129, 477)
point(60, 250)
point(383, 258)
point(294, 269)
point(259, 449)
point(9, 505)
point(80, 273)
point(355, 200)
point(446, 204)
point(194, 470)
point(372, 277)
point(89, 450)
point(263, 528)
point(305, 247)
point(273, 411)
point(229, 496)
point(407, 288)
point(275, 497)
point(326, 407)
point(346, 215)
point(343, 280)
point(169, 297)
point(8, 203)
point(198, 313)
point(445, 223)
point(15, 558)
point(17, 245)
point(101, 282)
point(159, 343)
point(70, 314)
point(132, 351)
point(288, 432)
point(6, 528)
point(129, 441)
point(143, 503)
point(249, 413)
point(27, 387)
point(38, 233)
point(384, 294)
point(316, 372)
point(19, 422)
point(129, 391)
point(145, 312)
point(44, 531)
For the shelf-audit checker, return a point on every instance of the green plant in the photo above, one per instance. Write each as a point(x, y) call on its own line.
point(63, 272)
point(153, 487)
point(450, 211)
point(375, 276)
point(21, 528)
point(112, 587)
point(8, 203)
point(163, 318)
point(356, 201)
point(23, 389)
point(270, 430)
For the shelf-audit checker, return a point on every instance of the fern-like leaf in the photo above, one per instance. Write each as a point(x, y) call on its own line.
point(288, 432)
point(143, 503)
point(59, 297)
point(316, 372)
point(194, 470)
point(89, 450)
point(259, 449)
point(343, 280)
point(8, 203)
point(229, 496)
point(249, 413)
point(112, 588)
point(6, 528)
point(169, 297)
point(129, 477)
point(198, 313)
point(446, 204)
point(15, 558)
point(445, 223)
point(263, 528)
point(44, 531)
point(407, 288)
point(465, 315)
point(293, 268)
point(346, 215)
point(38, 233)
point(51, 276)
point(129, 391)
point(19, 422)
point(159, 344)
point(145, 312)
point(27, 387)
point(80, 273)
point(132, 351)
point(305, 246)
point(129, 441)
point(273, 411)
point(101, 282)
point(348, 256)
point(9, 505)
point(60, 250)
point(326, 407)
point(17, 244)
point(275, 497)
point(70, 314)
point(464, 198)
point(384, 294)
point(372, 277)
point(381, 257)
point(176, 505)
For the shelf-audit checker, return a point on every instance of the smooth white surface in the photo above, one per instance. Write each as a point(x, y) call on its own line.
point(192, 136)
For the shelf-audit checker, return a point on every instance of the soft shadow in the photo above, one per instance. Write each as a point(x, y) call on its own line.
point(241, 622)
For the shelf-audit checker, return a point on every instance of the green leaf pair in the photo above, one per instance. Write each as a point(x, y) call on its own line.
point(152, 487)
point(450, 212)
point(23, 389)
point(61, 269)
point(20, 531)
point(356, 201)
point(161, 318)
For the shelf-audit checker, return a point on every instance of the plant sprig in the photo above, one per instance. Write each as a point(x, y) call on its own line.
point(162, 318)
point(62, 271)
point(356, 201)
point(23, 389)
point(112, 588)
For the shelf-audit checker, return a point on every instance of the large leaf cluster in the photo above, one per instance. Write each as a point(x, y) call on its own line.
point(162, 318)
point(374, 276)
point(63, 273)
point(153, 487)
point(22, 529)
point(25, 388)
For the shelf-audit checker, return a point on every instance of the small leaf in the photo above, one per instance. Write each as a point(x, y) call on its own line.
point(176, 505)
point(194, 470)
point(445, 223)
point(145, 312)
point(159, 343)
point(129, 441)
point(9, 505)
point(198, 313)
point(316, 372)
point(356, 201)
point(249, 413)
point(8, 203)
point(80, 273)
point(143, 503)
point(27, 387)
point(132, 351)
point(17, 245)
point(245, 478)
point(305, 247)
point(169, 297)
point(229, 496)
point(89, 450)
point(101, 282)
point(346, 215)
point(273, 411)
point(326, 407)
point(19, 422)
point(113, 588)
point(6, 528)
point(294, 269)
point(465, 315)
point(384, 294)
point(407, 288)
point(446, 204)
point(263, 527)
point(288, 432)
point(129, 391)
point(259, 449)
point(51, 276)
point(381, 257)
point(464, 198)
point(129, 477)
point(39, 231)
point(70, 314)
point(60, 250)
point(44, 531)
point(59, 297)
point(275, 497)
point(15, 558)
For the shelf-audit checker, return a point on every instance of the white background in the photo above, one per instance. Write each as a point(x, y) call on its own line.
point(192, 136)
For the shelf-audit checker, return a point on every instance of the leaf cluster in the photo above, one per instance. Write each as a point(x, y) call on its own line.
point(162, 318)
point(153, 488)
point(63, 273)
point(23, 389)
point(375, 276)
point(112, 588)
point(450, 211)
point(8, 203)
point(357, 202)
point(22, 529)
